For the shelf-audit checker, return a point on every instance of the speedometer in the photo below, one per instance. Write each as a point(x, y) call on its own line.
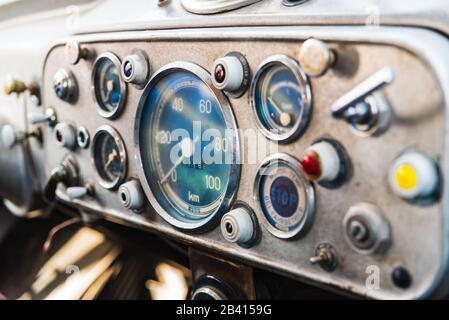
point(187, 146)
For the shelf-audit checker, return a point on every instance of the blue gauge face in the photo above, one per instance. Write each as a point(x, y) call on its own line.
point(286, 198)
point(107, 85)
point(185, 146)
point(109, 157)
point(281, 98)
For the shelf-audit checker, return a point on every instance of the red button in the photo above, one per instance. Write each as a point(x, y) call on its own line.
point(311, 165)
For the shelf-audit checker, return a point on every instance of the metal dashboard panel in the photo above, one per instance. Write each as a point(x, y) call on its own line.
point(417, 98)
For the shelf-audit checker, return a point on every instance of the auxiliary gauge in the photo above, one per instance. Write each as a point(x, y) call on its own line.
point(109, 157)
point(281, 98)
point(108, 88)
point(285, 198)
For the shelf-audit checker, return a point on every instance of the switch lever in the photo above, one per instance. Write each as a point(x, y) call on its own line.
point(363, 107)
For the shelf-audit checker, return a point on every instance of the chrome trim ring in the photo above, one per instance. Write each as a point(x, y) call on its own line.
point(306, 197)
point(116, 61)
point(212, 219)
point(106, 129)
point(306, 111)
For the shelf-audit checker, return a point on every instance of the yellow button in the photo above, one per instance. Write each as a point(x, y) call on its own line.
point(406, 177)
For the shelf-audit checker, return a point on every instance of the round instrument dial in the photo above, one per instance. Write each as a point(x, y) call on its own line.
point(108, 88)
point(284, 196)
point(188, 146)
point(281, 98)
point(109, 156)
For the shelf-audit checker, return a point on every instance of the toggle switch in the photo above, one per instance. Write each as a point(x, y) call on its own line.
point(131, 195)
point(49, 117)
point(325, 162)
point(415, 176)
point(78, 192)
point(365, 107)
point(231, 73)
point(237, 225)
point(65, 135)
point(315, 57)
point(136, 69)
point(325, 256)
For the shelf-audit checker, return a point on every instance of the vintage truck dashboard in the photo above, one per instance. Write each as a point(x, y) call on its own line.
point(305, 138)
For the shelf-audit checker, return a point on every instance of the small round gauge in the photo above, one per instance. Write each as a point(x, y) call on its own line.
point(281, 98)
point(188, 146)
point(109, 90)
point(109, 156)
point(285, 198)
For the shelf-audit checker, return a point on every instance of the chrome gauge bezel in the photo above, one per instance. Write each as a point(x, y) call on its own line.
point(302, 79)
point(106, 129)
point(212, 219)
point(307, 200)
point(123, 88)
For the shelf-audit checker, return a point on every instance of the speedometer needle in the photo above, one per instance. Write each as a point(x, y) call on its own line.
point(187, 148)
point(284, 117)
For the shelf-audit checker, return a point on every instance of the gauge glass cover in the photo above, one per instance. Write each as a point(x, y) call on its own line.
point(188, 146)
point(109, 157)
point(281, 98)
point(108, 88)
point(284, 196)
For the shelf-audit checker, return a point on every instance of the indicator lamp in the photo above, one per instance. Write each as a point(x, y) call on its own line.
point(321, 162)
point(414, 176)
point(231, 74)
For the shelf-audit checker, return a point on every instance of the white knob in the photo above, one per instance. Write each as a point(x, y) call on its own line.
point(76, 192)
point(9, 136)
point(36, 118)
point(227, 73)
point(237, 225)
point(414, 175)
point(131, 195)
point(135, 69)
point(321, 162)
point(65, 135)
point(315, 57)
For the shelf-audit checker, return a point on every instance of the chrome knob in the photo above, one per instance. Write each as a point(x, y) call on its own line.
point(64, 85)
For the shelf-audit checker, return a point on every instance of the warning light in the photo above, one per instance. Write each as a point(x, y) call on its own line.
point(406, 177)
point(311, 165)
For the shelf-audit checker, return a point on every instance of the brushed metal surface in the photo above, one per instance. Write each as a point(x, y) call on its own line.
point(418, 101)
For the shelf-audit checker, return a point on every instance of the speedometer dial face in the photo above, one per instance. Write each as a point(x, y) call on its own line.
point(281, 98)
point(188, 146)
point(108, 88)
point(109, 156)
